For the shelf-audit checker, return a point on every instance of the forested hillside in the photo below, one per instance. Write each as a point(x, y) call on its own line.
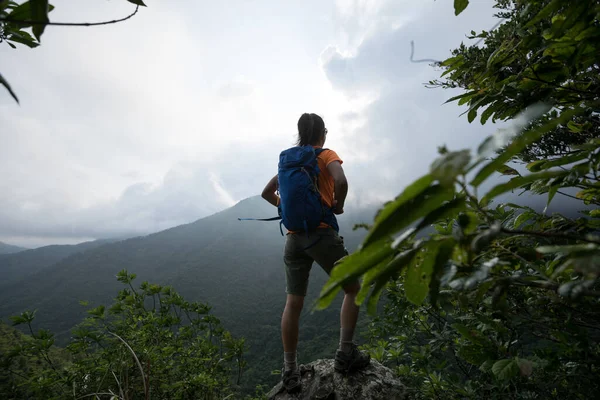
point(19, 265)
point(479, 296)
point(234, 266)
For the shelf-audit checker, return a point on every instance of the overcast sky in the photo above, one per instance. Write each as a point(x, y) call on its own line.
point(182, 111)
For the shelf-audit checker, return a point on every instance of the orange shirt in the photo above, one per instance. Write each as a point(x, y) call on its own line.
point(325, 182)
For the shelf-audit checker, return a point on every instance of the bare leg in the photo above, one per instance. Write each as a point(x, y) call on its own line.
point(290, 322)
point(348, 316)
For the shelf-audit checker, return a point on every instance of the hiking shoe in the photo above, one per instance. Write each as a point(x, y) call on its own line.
point(291, 380)
point(351, 361)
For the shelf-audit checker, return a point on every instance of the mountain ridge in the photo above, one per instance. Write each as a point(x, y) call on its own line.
point(234, 266)
point(15, 267)
point(6, 248)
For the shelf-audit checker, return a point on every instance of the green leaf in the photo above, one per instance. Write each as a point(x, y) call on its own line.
point(536, 165)
point(545, 12)
point(408, 208)
point(369, 278)
point(486, 366)
point(539, 165)
point(396, 264)
point(460, 5)
point(551, 192)
point(595, 213)
point(447, 210)
point(97, 312)
point(465, 100)
point(24, 38)
point(523, 217)
point(447, 167)
point(3, 4)
point(7, 86)
point(506, 170)
point(452, 60)
point(351, 267)
point(21, 12)
point(374, 298)
point(384, 274)
point(409, 192)
point(26, 317)
point(463, 330)
point(441, 260)
point(468, 221)
point(518, 182)
point(17, 320)
point(137, 2)
point(505, 369)
point(571, 158)
point(521, 142)
point(482, 290)
point(39, 12)
point(467, 95)
point(472, 114)
point(418, 274)
point(487, 113)
point(573, 127)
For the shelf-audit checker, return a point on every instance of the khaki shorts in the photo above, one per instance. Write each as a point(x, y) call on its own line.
point(324, 246)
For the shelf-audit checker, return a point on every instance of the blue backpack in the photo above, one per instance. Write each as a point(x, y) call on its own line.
point(301, 208)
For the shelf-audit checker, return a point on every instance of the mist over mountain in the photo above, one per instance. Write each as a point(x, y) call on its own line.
point(6, 248)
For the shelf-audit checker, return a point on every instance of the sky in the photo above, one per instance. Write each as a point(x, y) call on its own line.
point(181, 111)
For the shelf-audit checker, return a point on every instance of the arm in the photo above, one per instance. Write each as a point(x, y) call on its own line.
point(268, 192)
point(340, 185)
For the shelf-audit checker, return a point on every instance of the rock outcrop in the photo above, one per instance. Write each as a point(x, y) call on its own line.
point(320, 381)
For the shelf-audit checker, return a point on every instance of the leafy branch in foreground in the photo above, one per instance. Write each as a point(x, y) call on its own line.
point(16, 18)
point(501, 301)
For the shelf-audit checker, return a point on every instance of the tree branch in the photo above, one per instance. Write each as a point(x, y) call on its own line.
point(412, 53)
point(551, 286)
point(554, 85)
point(549, 235)
point(31, 22)
point(525, 262)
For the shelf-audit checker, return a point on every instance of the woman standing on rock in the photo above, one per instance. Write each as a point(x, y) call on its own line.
point(312, 189)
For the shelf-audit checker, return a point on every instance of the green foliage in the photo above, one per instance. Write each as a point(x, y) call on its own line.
point(500, 301)
point(460, 5)
point(243, 286)
point(544, 51)
point(150, 341)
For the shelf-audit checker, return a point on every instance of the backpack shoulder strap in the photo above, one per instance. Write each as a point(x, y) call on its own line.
point(319, 151)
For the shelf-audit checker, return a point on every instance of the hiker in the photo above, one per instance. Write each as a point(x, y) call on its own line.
point(312, 237)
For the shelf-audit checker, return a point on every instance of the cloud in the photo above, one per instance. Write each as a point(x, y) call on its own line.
point(395, 135)
point(183, 110)
point(236, 88)
point(127, 130)
point(187, 192)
